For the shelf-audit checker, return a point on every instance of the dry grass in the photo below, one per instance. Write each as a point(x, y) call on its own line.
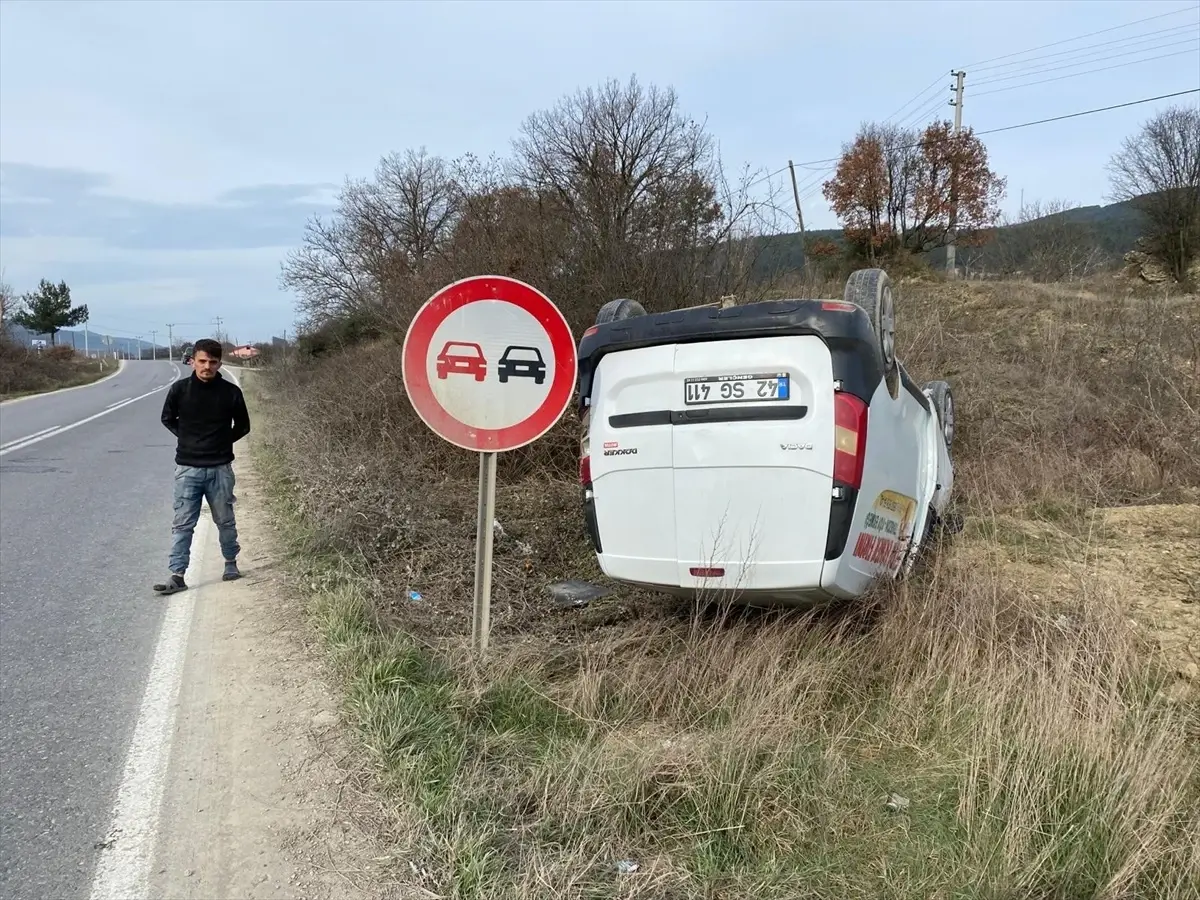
point(1039, 750)
point(23, 371)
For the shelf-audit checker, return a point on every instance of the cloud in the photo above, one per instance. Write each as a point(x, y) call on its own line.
point(134, 260)
point(41, 202)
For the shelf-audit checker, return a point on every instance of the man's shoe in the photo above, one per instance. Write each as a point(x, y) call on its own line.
point(172, 585)
point(231, 571)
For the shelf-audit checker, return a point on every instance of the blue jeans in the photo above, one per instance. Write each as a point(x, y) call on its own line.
point(194, 484)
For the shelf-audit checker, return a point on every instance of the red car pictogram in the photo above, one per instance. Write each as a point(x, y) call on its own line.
point(462, 357)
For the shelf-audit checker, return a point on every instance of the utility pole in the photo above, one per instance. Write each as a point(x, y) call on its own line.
point(799, 218)
point(139, 346)
point(153, 344)
point(86, 351)
point(957, 103)
point(170, 343)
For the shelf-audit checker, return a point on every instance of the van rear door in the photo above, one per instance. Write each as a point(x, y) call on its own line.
point(630, 461)
point(752, 450)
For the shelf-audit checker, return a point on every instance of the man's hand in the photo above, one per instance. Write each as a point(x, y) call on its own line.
point(241, 418)
point(170, 410)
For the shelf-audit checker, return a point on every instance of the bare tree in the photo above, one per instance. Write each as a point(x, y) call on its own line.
point(329, 271)
point(1044, 243)
point(633, 181)
point(1158, 169)
point(6, 301)
point(613, 192)
point(410, 206)
point(383, 234)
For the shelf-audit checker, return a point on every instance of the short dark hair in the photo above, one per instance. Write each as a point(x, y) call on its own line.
point(209, 346)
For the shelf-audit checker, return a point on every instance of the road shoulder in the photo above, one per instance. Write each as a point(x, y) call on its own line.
point(258, 804)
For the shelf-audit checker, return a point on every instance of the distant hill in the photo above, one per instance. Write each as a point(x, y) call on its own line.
point(96, 342)
point(1112, 230)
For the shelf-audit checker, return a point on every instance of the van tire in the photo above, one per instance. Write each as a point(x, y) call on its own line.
point(871, 291)
point(943, 402)
point(615, 310)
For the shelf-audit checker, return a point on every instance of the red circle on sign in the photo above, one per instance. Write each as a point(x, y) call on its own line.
point(415, 362)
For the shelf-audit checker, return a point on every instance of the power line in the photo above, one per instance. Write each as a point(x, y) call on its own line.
point(818, 185)
point(1086, 112)
point(977, 65)
point(1087, 62)
point(766, 177)
point(1013, 87)
point(1091, 49)
point(936, 82)
point(924, 114)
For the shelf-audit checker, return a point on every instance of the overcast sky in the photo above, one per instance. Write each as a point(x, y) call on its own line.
point(162, 157)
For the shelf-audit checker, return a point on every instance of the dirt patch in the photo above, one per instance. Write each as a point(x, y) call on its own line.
point(263, 799)
point(1153, 553)
point(1148, 557)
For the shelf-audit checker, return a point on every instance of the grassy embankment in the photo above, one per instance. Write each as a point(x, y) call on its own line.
point(1016, 722)
point(24, 372)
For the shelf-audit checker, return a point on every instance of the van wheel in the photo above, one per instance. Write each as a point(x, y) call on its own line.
point(943, 401)
point(871, 291)
point(615, 310)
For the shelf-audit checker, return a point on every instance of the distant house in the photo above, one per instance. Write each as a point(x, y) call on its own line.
point(244, 352)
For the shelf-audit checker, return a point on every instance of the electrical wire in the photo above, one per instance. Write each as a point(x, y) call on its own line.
point(936, 82)
point(1088, 112)
point(1013, 87)
point(766, 177)
point(1074, 115)
point(981, 63)
point(1092, 49)
point(818, 186)
point(925, 114)
point(1105, 57)
point(815, 186)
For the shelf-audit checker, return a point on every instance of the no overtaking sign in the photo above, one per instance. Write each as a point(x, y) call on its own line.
point(489, 365)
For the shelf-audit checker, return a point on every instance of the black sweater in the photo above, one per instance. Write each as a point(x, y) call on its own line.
point(207, 418)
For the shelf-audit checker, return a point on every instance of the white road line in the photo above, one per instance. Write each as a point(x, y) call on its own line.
point(118, 403)
point(123, 870)
point(54, 432)
point(27, 437)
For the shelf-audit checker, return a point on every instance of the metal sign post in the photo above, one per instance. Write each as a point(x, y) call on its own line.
point(489, 366)
point(484, 537)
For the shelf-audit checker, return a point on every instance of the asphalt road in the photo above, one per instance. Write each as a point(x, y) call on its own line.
point(85, 518)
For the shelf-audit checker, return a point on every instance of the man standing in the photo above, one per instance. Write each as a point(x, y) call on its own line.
point(208, 415)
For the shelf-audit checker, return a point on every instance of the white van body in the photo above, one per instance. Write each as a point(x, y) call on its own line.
point(711, 466)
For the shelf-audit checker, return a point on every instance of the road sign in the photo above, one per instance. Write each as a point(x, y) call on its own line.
point(489, 365)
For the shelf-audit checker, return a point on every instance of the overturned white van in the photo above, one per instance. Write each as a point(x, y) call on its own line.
point(775, 452)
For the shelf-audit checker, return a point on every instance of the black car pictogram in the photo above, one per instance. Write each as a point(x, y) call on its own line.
point(521, 362)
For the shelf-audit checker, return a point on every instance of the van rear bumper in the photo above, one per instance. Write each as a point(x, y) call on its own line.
point(791, 596)
point(666, 574)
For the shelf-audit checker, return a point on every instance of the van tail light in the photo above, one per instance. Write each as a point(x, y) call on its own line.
point(585, 471)
point(707, 572)
point(849, 439)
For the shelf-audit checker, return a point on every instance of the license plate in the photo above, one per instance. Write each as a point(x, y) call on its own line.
point(711, 389)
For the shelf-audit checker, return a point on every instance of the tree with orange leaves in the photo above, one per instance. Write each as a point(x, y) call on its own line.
point(896, 189)
point(858, 193)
